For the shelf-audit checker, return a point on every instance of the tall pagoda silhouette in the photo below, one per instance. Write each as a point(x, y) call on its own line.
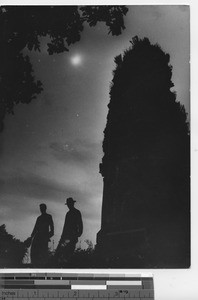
point(146, 165)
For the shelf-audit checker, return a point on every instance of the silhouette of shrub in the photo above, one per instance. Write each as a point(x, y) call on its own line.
point(82, 258)
point(12, 250)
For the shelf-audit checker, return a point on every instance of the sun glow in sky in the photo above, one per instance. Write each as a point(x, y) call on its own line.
point(76, 60)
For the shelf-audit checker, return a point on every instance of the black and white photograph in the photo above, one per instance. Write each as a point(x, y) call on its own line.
point(95, 137)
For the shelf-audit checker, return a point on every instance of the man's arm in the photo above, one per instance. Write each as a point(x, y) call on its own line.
point(51, 225)
point(80, 225)
point(35, 229)
point(63, 232)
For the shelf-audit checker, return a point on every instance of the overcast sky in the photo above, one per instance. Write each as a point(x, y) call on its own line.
point(51, 148)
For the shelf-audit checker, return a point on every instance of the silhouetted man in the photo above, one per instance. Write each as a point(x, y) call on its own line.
point(72, 229)
point(41, 234)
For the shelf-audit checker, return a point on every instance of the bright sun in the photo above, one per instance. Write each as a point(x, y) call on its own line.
point(76, 60)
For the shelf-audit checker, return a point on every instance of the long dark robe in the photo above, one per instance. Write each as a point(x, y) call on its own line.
point(43, 230)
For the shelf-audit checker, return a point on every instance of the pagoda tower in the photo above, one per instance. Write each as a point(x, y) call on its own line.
point(146, 165)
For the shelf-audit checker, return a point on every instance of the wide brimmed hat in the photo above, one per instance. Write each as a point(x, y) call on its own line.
point(69, 200)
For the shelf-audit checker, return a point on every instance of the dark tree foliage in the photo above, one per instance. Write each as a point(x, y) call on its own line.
point(142, 106)
point(23, 26)
point(12, 251)
point(146, 148)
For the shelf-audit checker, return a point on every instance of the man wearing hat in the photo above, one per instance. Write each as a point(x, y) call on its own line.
point(72, 229)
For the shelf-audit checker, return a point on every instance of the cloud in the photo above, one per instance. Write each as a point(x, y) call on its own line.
point(80, 151)
point(28, 185)
point(41, 163)
point(153, 11)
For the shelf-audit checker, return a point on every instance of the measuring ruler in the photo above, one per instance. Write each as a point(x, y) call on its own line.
point(79, 286)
